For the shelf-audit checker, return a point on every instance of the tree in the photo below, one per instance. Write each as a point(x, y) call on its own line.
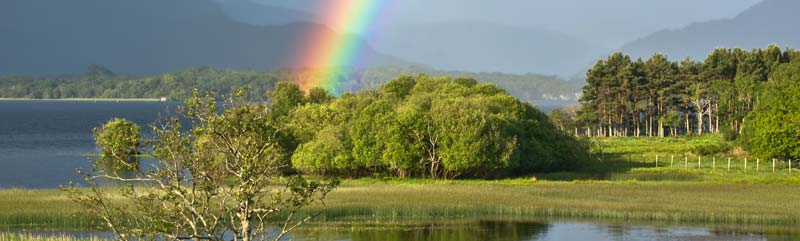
point(216, 181)
point(772, 130)
point(119, 141)
point(285, 98)
point(319, 95)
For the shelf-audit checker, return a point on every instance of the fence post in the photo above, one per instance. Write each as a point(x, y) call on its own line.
point(758, 164)
point(699, 165)
point(672, 161)
point(714, 164)
point(745, 164)
point(729, 164)
point(685, 162)
point(773, 165)
point(656, 160)
point(790, 165)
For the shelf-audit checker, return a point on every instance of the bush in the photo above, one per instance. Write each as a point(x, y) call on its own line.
point(712, 148)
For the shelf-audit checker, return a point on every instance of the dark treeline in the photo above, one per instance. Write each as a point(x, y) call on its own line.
point(434, 127)
point(659, 97)
point(100, 82)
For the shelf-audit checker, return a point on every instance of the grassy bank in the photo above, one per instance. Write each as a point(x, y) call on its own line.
point(16, 236)
point(377, 201)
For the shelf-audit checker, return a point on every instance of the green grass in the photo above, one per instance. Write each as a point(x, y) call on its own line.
point(392, 202)
point(623, 186)
point(676, 159)
point(16, 236)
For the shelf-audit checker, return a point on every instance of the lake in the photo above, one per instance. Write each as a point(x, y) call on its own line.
point(42, 142)
point(499, 230)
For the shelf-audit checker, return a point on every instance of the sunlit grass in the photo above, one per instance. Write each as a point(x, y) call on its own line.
point(17, 236)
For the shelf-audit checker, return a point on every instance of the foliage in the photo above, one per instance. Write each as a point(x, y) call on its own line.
point(712, 148)
point(215, 181)
point(119, 141)
point(434, 127)
point(773, 128)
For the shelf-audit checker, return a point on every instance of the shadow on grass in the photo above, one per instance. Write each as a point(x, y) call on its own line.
point(609, 168)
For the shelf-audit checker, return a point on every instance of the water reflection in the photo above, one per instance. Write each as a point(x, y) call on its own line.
point(495, 230)
point(514, 230)
point(468, 231)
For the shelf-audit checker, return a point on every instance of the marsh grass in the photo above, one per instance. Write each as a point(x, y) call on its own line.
point(21, 236)
point(697, 202)
point(398, 202)
point(623, 186)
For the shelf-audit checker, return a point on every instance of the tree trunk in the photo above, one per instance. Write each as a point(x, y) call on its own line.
point(700, 115)
point(716, 125)
point(660, 122)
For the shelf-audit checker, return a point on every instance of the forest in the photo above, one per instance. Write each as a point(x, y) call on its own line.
point(100, 82)
point(750, 96)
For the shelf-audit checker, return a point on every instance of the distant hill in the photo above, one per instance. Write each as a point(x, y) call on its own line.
point(100, 82)
point(464, 45)
point(488, 47)
point(527, 87)
point(53, 37)
point(247, 11)
point(771, 21)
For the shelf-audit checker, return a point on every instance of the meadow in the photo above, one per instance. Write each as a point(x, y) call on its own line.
point(616, 188)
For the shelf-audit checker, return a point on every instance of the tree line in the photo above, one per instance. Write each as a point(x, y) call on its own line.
point(734, 92)
point(659, 97)
point(100, 82)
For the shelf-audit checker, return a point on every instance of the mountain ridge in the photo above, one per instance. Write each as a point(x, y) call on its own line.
point(759, 26)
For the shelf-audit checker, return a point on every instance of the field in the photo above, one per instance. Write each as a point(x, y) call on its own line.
point(617, 188)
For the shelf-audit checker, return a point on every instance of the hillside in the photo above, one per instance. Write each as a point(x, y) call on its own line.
point(486, 47)
point(768, 22)
point(247, 11)
point(51, 37)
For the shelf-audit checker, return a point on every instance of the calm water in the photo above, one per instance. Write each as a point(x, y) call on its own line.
point(515, 231)
point(42, 142)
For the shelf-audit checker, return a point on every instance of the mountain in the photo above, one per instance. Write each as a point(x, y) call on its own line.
point(52, 37)
point(485, 47)
point(247, 11)
point(768, 22)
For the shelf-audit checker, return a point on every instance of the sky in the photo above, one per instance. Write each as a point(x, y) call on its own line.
point(608, 23)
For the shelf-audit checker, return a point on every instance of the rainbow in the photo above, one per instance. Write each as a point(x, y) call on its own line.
point(326, 54)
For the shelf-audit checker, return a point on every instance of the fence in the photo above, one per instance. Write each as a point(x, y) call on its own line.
point(729, 164)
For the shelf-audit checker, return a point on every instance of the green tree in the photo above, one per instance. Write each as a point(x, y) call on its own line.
point(285, 98)
point(773, 128)
point(119, 141)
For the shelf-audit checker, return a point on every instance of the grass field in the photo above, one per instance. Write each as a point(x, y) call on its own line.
point(679, 159)
point(619, 187)
point(397, 202)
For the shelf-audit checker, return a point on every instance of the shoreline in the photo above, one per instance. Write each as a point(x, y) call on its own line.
point(90, 99)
